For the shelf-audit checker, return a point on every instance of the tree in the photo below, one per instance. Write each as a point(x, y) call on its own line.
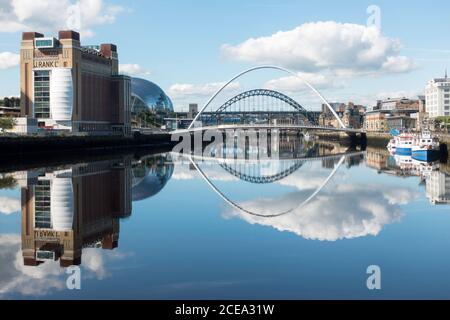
point(7, 123)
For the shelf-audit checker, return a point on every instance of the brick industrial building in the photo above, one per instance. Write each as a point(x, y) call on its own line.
point(66, 86)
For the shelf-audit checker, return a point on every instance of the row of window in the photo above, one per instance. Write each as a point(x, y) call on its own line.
point(42, 94)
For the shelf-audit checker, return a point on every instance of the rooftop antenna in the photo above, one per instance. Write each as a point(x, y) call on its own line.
point(445, 73)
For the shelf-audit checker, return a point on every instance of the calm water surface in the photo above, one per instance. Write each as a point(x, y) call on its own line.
point(306, 225)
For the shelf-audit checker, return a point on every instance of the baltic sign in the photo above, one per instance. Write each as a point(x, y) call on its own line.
point(46, 235)
point(46, 64)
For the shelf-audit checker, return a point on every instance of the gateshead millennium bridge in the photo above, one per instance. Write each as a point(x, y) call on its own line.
point(262, 109)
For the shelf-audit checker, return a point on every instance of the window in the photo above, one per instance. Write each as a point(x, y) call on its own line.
point(42, 216)
point(446, 96)
point(44, 43)
point(42, 94)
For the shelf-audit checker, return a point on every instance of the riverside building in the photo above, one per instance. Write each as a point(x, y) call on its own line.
point(67, 86)
point(437, 95)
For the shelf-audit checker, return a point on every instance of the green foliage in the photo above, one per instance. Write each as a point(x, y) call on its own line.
point(8, 183)
point(7, 123)
point(443, 119)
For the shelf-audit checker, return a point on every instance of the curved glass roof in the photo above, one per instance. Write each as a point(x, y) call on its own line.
point(147, 94)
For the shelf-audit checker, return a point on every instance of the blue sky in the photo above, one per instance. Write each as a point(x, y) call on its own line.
point(180, 44)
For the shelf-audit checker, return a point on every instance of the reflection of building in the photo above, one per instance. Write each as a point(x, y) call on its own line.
point(65, 211)
point(71, 87)
point(438, 188)
point(150, 176)
point(377, 159)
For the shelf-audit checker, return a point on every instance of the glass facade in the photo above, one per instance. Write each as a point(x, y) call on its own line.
point(42, 216)
point(147, 95)
point(44, 43)
point(42, 94)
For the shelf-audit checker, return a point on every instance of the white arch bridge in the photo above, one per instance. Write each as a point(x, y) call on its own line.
point(262, 109)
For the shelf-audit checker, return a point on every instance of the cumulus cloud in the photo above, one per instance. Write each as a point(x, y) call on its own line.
point(187, 90)
point(344, 48)
point(346, 212)
point(133, 69)
point(9, 205)
point(9, 60)
point(295, 84)
point(82, 15)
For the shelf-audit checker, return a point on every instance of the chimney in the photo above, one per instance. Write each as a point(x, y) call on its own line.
point(31, 35)
point(107, 50)
point(69, 34)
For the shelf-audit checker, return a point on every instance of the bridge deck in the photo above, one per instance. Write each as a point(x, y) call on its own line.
point(267, 127)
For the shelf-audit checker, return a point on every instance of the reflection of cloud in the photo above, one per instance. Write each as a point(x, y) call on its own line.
point(212, 170)
point(9, 205)
point(346, 212)
point(47, 277)
point(305, 180)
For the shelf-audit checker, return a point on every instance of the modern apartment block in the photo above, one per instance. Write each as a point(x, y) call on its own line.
point(437, 95)
point(67, 86)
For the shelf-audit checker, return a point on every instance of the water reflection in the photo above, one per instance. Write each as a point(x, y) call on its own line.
point(65, 210)
point(74, 214)
point(434, 176)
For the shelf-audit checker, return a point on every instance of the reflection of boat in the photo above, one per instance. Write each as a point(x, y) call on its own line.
point(392, 145)
point(425, 147)
point(413, 167)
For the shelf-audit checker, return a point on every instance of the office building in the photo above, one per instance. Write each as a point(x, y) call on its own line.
point(438, 188)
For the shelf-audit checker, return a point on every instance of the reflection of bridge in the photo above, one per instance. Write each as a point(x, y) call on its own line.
point(262, 109)
point(246, 175)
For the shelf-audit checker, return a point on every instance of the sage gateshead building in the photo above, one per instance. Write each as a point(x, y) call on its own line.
point(66, 86)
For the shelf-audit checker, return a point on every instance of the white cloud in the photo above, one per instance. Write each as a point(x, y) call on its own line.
point(9, 60)
point(81, 15)
point(9, 205)
point(346, 212)
point(294, 84)
point(184, 93)
point(397, 94)
point(133, 69)
point(186, 90)
point(311, 47)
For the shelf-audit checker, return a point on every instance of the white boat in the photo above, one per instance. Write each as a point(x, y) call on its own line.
point(402, 144)
point(426, 147)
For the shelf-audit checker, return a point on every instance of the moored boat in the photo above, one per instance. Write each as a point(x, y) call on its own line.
point(425, 147)
point(403, 144)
